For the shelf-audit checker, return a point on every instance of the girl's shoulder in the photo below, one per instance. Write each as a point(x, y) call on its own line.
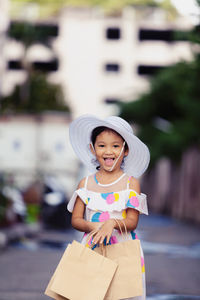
point(82, 183)
point(134, 184)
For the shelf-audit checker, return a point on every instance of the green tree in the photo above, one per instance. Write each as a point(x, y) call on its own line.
point(42, 96)
point(50, 7)
point(167, 117)
point(29, 33)
point(35, 94)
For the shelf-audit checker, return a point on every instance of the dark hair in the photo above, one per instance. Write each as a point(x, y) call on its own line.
point(98, 130)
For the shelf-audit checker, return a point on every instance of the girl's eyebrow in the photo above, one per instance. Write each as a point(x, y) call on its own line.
point(102, 142)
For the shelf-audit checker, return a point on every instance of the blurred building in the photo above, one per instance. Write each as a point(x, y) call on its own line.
point(34, 147)
point(104, 59)
point(98, 60)
point(4, 22)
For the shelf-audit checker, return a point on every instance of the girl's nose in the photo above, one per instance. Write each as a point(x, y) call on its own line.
point(108, 150)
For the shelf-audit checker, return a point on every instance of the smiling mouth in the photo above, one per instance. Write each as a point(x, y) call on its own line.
point(109, 161)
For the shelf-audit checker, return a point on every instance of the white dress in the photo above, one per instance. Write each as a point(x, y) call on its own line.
point(103, 202)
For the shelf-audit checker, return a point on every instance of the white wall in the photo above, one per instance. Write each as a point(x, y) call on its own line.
point(83, 51)
point(29, 147)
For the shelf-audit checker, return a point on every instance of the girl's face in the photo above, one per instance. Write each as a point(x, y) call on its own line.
point(107, 147)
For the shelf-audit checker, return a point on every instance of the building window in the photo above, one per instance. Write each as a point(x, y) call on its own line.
point(48, 30)
point(112, 67)
point(16, 145)
point(111, 100)
point(14, 65)
point(46, 66)
point(59, 147)
point(41, 32)
point(149, 70)
point(113, 33)
point(156, 35)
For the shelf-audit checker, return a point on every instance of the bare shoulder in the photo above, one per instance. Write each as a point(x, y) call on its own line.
point(134, 184)
point(81, 183)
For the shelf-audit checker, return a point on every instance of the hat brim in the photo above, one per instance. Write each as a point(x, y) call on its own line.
point(80, 130)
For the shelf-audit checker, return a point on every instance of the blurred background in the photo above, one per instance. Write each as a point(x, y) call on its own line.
point(139, 59)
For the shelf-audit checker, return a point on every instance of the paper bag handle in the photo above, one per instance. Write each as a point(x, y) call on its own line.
point(102, 246)
point(120, 228)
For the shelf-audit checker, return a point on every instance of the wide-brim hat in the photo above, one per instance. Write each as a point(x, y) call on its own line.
point(80, 130)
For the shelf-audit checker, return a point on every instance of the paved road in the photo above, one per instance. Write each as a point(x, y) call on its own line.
point(172, 256)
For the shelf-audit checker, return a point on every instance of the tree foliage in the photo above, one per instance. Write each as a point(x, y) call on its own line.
point(50, 7)
point(29, 33)
point(36, 94)
point(168, 116)
point(35, 97)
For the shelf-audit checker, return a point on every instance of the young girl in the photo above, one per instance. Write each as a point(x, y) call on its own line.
point(116, 157)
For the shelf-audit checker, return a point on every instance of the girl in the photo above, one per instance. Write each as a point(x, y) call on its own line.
point(116, 157)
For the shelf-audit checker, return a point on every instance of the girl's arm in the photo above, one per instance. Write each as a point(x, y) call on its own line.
point(131, 220)
point(78, 221)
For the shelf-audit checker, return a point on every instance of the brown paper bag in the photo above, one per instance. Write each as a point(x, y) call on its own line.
point(52, 294)
point(127, 281)
point(83, 274)
point(48, 290)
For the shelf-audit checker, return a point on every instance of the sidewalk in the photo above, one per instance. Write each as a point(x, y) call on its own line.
point(172, 256)
point(171, 249)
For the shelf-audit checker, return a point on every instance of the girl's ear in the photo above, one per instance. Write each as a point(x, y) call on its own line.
point(126, 152)
point(92, 149)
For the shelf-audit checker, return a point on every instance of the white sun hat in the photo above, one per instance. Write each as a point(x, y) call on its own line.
point(80, 131)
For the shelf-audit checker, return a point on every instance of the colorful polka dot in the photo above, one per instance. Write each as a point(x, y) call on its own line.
point(134, 235)
point(124, 214)
point(105, 195)
point(104, 217)
point(95, 217)
point(90, 241)
point(100, 217)
point(129, 204)
point(132, 194)
point(116, 196)
point(87, 201)
point(134, 201)
point(113, 240)
point(110, 197)
point(142, 264)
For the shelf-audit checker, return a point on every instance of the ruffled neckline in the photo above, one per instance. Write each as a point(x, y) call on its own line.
point(124, 191)
point(111, 201)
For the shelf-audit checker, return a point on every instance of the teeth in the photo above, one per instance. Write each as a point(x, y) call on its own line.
point(108, 158)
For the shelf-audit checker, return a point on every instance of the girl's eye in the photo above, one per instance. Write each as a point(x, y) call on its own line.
point(116, 146)
point(101, 146)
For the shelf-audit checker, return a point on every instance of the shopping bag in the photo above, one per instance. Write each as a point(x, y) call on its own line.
point(127, 281)
point(52, 294)
point(48, 290)
point(83, 274)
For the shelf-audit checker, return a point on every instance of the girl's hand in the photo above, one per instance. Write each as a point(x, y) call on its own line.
point(105, 231)
point(95, 226)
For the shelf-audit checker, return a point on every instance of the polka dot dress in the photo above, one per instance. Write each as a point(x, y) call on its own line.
point(102, 206)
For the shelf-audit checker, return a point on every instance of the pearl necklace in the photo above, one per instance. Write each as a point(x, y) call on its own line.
point(108, 184)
